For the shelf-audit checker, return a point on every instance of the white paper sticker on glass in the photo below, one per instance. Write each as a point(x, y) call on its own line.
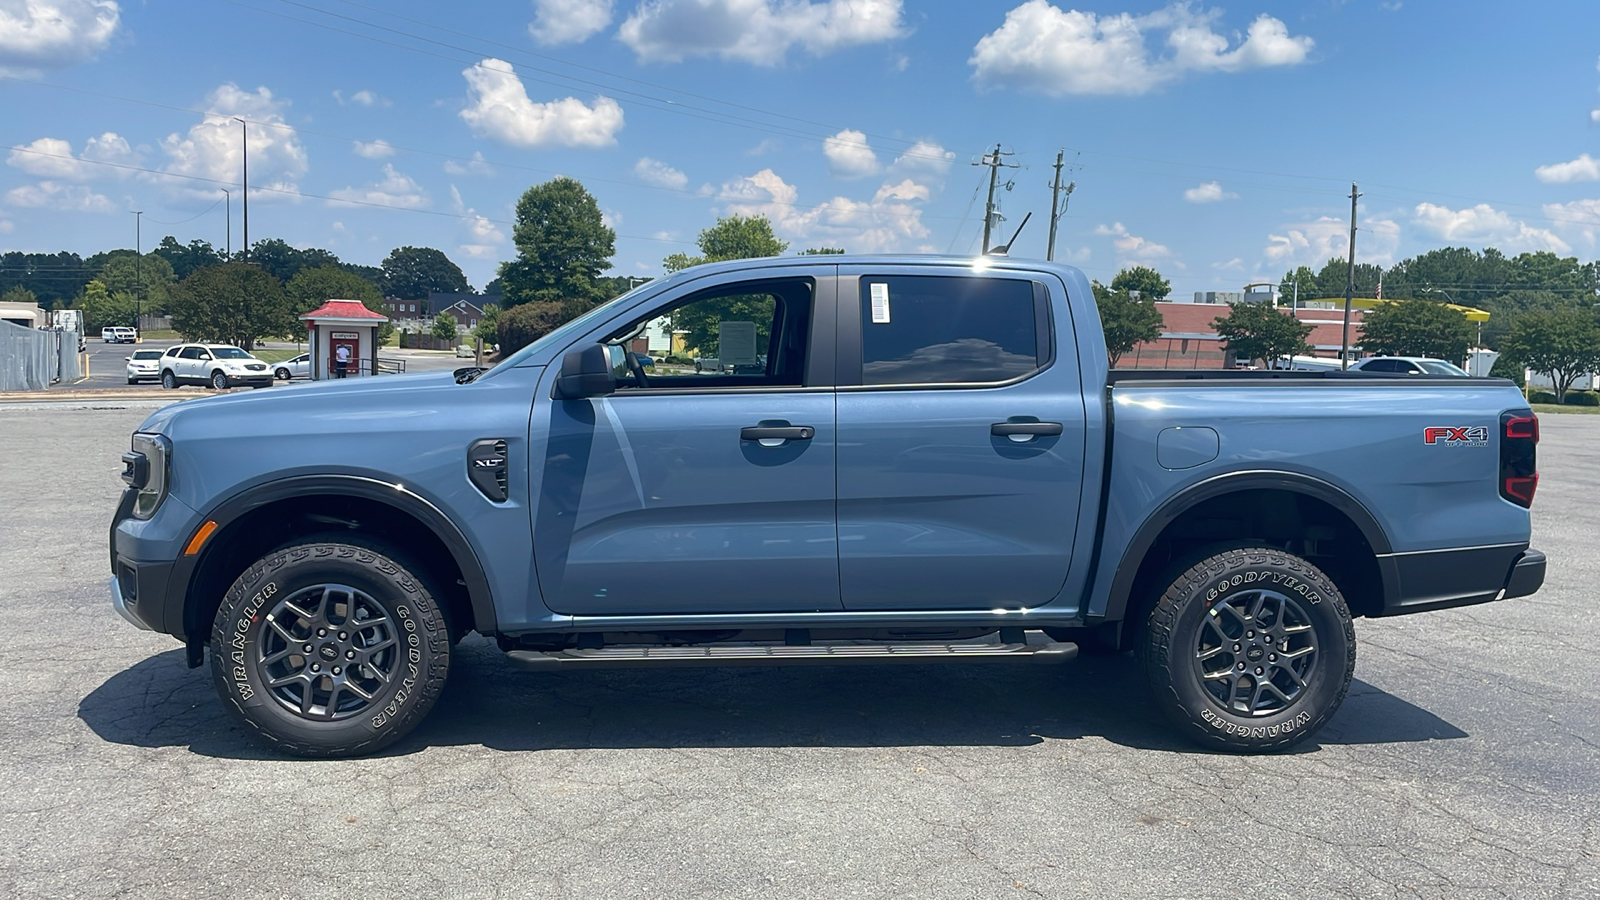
point(880, 304)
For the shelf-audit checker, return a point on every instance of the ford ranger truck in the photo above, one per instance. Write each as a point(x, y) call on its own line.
point(897, 460)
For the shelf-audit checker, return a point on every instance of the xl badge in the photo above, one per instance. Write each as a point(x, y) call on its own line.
point(1450, 436)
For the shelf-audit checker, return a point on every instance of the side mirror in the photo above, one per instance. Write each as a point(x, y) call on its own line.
point(586, 373)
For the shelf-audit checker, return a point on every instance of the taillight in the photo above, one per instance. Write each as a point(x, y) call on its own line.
point(1519, 470)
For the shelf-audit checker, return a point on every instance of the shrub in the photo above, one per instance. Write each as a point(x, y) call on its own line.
point(524, 324)
point(1583, 398)
point(1541, 397)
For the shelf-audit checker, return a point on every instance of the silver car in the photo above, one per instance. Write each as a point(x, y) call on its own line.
point(144, 365)
point(298, 367)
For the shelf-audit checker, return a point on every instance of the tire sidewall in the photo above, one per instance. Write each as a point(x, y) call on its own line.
point(1226, 574)
point(423, 654)
point(169, 380)
point(219, 381)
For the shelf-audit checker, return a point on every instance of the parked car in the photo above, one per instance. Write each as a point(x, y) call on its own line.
point(119, 335)
point(963, 481)
point(144, 365)
point(465, 351)
point(707, 364)
point(1407, 365)
point(215, 365)
point(297, 367)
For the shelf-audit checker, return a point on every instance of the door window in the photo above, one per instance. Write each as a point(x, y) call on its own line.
point(750, 334)
point(190, 353)
point(918, 329)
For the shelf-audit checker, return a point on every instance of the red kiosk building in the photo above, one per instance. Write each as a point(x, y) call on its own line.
point(343, 330)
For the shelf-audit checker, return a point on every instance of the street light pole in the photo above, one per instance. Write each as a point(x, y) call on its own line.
point(228, 211)
point(138, 266)
point(244, 146)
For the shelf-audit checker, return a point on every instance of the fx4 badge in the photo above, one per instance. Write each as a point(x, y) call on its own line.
point(1450, 436)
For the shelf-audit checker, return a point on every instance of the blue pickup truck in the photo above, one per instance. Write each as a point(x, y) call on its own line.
point(930, 463)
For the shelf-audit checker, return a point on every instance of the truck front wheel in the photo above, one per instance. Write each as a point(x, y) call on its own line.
point(1249, 650)
point(330, 648)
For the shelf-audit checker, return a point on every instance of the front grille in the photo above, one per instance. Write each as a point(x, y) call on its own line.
point(257, 367)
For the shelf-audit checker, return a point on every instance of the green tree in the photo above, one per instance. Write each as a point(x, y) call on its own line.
point(821, 251)
point(1560, 343)
point(102, 309)
point(1334, 273)
point(237, 303)
point(1259, 332)
point(55, 278)
point(310, 288)
point(1125, 319)
point(185, 259)
point(488, 329)
point(1147, 281)
point(124, 273)
point(411, 273)
point(562, 247)
point(522, 325)
point(733, 237)
point(1417, 328)
point(18, 294)
point(445, 328)
point(283, 261)
point(1300, 283)
point(702, 320)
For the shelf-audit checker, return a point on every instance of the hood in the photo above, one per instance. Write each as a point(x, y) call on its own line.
point(281, 406)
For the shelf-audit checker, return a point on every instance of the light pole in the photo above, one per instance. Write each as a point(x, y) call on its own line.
point(244, 146)
point(227, 197)
point(138, 266)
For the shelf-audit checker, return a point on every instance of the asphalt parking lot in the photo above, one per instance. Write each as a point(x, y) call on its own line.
point(108, 362)
point(1465, 762)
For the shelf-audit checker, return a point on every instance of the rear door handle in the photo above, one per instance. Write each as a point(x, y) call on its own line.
point(778, 433)
point(1006, 429)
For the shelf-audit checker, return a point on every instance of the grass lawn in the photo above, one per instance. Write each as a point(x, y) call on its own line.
point(1544, 409)
point(275, 356)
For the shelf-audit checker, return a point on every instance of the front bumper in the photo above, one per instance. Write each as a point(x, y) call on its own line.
point(1443, 579)
point(147, 594)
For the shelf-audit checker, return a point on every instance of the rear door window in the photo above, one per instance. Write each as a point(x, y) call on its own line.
point(951, 330)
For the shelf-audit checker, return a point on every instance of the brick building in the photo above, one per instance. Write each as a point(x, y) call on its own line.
point(1189, 338)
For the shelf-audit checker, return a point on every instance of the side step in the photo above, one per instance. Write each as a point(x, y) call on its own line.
point(1035, 648)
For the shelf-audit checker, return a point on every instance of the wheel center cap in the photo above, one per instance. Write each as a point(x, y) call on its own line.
point(1255, 653)
point(328, 652)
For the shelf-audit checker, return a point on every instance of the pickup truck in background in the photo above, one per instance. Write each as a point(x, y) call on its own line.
point(933, 464)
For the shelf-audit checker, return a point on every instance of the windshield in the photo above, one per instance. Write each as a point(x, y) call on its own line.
point(576, 326)
point(228, 353)
point(147, 354)
point(1436, 367)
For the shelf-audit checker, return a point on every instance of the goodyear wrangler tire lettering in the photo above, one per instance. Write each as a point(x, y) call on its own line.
point(1249, 650)
point(330, 647)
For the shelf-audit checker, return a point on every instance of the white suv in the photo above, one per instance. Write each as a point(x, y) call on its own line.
point(120, 334)
point(1407, 365)
point(215, 365)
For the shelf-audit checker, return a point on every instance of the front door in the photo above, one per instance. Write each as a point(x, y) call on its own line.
point(961, 441)
point(690, 492)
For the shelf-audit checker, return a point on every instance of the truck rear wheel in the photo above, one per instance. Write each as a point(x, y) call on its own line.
point(1249, 650)
point(330, 648)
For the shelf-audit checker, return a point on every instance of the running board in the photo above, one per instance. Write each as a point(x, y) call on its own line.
point(1038, 650)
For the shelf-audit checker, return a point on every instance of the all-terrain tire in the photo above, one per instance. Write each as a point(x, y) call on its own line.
point(378, 657)
point(1249, 650)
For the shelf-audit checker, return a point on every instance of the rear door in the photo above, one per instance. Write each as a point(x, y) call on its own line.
point(961, 439)
point(689, 492)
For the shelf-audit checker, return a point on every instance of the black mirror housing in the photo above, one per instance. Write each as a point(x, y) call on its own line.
point(586, 373)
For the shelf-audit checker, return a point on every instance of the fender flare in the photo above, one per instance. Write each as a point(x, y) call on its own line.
point(1232, 483)
point(397, 496)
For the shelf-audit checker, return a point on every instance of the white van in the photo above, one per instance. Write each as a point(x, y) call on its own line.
point(119, 335)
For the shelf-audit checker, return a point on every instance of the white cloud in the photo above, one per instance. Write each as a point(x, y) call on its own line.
point(1314, 243)
point(759, 32)
point(477, 165)
point(53, 158)
point(213, 148)
point(59, 197)
point(927, 156)
point(1580, 218)
point(51, 34)
point(890, 221)
point(394, 189)
point(1233, 265)
point(7, 226)
point(1584, 168)
point(483, 235)
point(1131, 247)
point(1483, 224)
point(660, 174)
point(1042, 48)
point(362, 98)
point(500, 109)
point(850, 155)
point(568, 21)
point(1210, 192)
point(378, 149)
point(1594, 116)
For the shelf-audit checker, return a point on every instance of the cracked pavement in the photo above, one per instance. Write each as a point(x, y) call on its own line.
point(1464, 763)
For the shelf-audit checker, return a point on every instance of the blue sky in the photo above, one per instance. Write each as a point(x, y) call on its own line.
point(1214, 143)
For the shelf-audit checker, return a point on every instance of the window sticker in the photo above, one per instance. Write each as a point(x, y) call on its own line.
point(880, 304)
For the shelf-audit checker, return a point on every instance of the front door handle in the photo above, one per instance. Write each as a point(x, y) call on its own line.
point(777, 433)
point(1006, 429)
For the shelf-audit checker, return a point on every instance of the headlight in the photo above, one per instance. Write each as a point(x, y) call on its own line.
point(145, 468)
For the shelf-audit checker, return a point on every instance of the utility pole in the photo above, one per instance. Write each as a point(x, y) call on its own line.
point(1349, 283)
point(1057, 207)
point(138, 265)
point(995, 163)
point(244, 144)
point(227, 196)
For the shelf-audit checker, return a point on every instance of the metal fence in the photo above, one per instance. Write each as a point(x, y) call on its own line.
point(33, 359)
